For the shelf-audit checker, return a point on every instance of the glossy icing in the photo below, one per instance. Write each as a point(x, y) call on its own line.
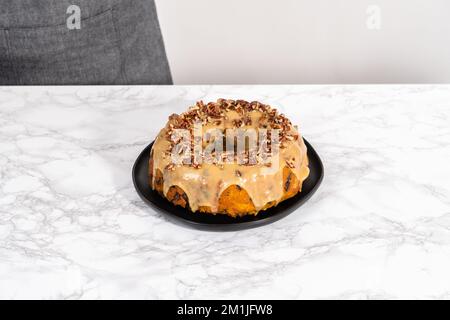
point(204, 184)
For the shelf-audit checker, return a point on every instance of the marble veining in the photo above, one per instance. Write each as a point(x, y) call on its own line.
point(72, 226)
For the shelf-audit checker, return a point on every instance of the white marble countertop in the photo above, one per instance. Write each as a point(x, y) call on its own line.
point(72, 226)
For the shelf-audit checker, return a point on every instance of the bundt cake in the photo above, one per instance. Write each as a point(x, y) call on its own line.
point(224, 185)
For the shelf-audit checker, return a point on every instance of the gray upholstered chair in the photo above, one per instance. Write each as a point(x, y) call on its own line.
point(118, 42)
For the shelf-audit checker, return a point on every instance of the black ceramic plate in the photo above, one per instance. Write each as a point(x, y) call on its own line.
point(222, 222)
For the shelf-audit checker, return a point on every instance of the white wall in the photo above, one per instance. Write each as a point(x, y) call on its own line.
point(306, 41)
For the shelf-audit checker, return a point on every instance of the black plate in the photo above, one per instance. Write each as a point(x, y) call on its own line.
point(222, 222)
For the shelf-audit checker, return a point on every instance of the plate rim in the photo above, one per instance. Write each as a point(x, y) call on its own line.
point(234, 226)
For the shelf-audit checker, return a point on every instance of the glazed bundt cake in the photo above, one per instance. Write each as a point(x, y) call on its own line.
point(231, 187)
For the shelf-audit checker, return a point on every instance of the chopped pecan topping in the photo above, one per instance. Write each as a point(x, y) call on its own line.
point(170, 167)
point(216, 112)
point(290, 164)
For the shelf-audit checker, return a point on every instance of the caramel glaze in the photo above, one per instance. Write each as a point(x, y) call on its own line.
point(204, 185)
